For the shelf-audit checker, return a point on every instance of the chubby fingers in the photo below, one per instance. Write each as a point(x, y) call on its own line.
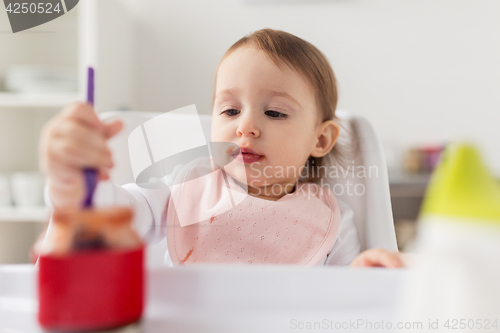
point(83, 113)
point(76, 138)
point(378, 258)
point(110, 129)
point(77, 154)
point(88, 136)
point(79, 146)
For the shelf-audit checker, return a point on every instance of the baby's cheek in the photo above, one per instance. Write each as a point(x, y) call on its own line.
point(291, 165)
point(222, 132)
point(237, 172)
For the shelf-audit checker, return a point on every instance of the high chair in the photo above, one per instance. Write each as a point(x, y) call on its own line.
point(366, 193)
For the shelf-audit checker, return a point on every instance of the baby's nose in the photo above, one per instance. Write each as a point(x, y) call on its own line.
point(248, 127)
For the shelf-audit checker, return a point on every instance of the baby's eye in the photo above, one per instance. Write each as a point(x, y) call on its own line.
point(231, 112)
point(275, 114)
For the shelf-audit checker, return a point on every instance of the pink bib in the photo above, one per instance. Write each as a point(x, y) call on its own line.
point(209, 222)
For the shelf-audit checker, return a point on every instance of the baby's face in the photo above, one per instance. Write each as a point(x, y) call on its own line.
point(269, 110)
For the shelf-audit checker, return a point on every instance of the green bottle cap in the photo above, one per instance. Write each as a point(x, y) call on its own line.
point(462, 187)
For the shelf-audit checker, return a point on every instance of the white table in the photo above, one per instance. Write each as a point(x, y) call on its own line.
point(233, 298)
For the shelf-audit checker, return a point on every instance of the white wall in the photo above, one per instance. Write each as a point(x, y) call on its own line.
point(422, 71)
point(20, 127)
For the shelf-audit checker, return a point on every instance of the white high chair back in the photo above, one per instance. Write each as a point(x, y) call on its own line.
point(363, 184)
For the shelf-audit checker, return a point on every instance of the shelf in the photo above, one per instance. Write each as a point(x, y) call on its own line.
point(37, 100)
point(402, 178)
point(24, 214)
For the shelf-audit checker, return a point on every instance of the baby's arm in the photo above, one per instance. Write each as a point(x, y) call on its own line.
point(73, 140)
point(76, 139)
point(379, 258)
point(346, 249)
point(149, 205)
point(347, 245)
point(385, 258)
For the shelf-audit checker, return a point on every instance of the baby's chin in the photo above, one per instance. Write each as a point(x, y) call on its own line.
point(243, 176)
point(249, 180)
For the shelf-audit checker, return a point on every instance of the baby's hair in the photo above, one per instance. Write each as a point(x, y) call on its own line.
point(286, 49)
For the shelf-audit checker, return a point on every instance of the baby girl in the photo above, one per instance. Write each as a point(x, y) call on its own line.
point(275, 98)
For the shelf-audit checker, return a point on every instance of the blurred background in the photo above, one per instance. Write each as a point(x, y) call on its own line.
point(424, 72)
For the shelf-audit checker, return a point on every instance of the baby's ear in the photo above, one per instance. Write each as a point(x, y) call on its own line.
point(326, 135)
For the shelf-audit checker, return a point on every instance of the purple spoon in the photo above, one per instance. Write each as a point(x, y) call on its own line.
point(90, 174)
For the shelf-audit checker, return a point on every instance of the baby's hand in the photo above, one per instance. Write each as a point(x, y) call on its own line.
point(73, 140)
point(379, 258)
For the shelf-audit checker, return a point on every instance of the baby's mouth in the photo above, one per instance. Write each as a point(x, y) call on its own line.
point(247, 155)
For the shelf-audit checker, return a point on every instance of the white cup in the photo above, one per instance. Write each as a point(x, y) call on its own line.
point(5, 199)
point(27, 188)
